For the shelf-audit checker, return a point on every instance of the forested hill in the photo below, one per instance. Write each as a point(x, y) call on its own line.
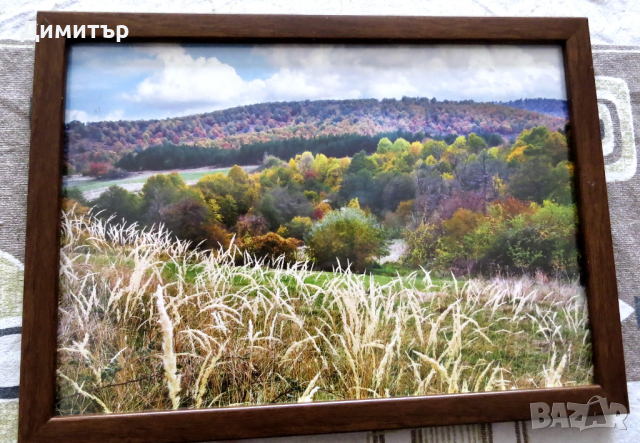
point(107, 142)
point(549, 106)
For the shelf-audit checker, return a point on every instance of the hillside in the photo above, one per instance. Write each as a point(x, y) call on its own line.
point(549, 106)
point(108, 141)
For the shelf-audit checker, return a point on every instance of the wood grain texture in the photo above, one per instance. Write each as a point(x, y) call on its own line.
point(304, 419)
point(593, 213)
point(37, 391)
point(39, 322)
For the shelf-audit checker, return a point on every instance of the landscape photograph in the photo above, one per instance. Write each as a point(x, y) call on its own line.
point(260, 224)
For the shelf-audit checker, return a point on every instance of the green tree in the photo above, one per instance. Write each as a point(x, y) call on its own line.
point(476, 143)
point(348, 237)
point(238, 175)
point(362, 186)
point(359, 162)
point(227, 209)
point(281, 205)
point(384, 145)
point(400, 146)
point(160, 191)
point(216, 184)
point(120, 203)
point(542, 171)
point(420, 245)
point(558, 223)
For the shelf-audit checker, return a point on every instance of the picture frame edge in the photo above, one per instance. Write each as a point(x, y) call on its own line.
point(37, 391)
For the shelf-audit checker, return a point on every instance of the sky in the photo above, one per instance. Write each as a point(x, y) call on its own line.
point(153, 81)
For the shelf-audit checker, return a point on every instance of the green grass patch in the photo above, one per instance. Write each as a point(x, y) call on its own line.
point(90, 185)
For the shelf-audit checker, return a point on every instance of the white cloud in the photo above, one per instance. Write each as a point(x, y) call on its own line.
point(73, 114)
point(453, 72)
point(116, 115)
point(82, 116)
point(194, 82)
point(482, 73)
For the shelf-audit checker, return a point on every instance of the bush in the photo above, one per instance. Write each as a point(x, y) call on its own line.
point(251, 224)
point(512, 237)
point(348, 237)
point(420, 245)
point(270, 246)
point(217, 236)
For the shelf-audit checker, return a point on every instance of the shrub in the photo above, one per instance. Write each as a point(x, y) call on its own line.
point(115, 174)
point(322, 207)
point(251, 224)
point(74, 208)
point(283, 232)
point(420, 245)
point(270, 246)
point(348, 237)
point(512, 237)
point(318, 214)
point(217, 236)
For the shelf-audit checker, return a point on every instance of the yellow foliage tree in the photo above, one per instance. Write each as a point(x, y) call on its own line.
point(354, 203)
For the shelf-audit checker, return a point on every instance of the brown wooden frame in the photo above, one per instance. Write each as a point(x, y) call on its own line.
point(39, 332)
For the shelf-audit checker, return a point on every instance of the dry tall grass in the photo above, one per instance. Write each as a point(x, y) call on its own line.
point(147, 323)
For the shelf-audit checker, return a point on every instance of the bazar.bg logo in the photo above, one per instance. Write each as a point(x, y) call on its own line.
point(544, 416)
point(30, 31)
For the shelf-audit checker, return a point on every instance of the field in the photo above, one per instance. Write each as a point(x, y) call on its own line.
point(92, 187)
point(147, 323)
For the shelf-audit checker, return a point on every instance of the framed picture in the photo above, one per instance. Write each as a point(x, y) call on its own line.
point(254, 226)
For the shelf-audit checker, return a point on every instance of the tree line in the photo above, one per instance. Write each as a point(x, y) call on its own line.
point(460, 206)
point(109, 141)
point(165, 157)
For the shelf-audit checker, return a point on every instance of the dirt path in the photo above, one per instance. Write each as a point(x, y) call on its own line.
point(396, 249)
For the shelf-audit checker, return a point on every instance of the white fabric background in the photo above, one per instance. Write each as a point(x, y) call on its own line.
point(610, 21)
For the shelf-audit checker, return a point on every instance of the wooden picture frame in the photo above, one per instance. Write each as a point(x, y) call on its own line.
point(37, 422)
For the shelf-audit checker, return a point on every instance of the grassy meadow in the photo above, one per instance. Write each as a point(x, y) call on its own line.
point(148, 322)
